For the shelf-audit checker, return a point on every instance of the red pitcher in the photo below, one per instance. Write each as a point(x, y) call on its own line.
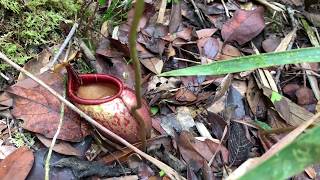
point(107, 100)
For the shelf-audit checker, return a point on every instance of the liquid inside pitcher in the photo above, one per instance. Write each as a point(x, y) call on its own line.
point(97, 90)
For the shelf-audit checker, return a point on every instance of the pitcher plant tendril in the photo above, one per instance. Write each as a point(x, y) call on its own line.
point(139, 8)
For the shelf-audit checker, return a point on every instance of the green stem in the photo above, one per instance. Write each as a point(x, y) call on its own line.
point(53, 142)
point(139, 7)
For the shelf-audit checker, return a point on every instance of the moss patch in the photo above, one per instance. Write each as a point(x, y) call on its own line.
point(28, 27)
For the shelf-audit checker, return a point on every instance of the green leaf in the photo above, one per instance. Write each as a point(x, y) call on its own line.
point(263, 125)
point(291, 160)
point(102, 2)
point(252, 62)
point(162, 173)
point(275, 97)
point(154, 110)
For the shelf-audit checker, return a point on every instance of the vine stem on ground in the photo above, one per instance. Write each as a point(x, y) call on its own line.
point(167, 169)
point(53, 142)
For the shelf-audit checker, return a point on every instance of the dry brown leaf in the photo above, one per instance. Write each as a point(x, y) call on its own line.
point(171, 51)
point(6, 150)
point(194, 150)
point(208, 47)
point(5, 101)
point(185, 34)
point(34, 65)
point(293, 2)
point(270, 44)
point(203, 33)
point(132, 177)
point(185, 95)
point(122, 155)
point(40, 110)
point(280, 145)
point(290, 90)
point(228, 52)
point(155, 65)
point(305, 96)
point(243, 26)
point(255, 100)
point(175, 18)
point(17, 165)
point(292, 113)
point(61, 147)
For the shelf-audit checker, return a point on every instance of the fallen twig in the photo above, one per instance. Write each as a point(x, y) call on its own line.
point(167, 169)
point(197, 11)
point(270, 5)
point(63, 46)
point(4, 76)
point(162, 11)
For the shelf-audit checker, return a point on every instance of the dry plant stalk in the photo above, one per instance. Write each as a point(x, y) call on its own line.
point(167, 169)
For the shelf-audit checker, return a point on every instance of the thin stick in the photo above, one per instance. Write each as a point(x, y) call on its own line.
point(53, 142)
point(63, 46)
point(4, 76)
point(9, 129)
point(196, 9)
point(226, 10)
point(167, 169)
point(186, 60)
point(162, 11)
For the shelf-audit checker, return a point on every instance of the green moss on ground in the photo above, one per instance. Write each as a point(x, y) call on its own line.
point(27, 27)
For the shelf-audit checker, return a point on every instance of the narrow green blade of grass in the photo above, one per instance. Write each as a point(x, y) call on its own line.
point(247, 63)
point(291, 160)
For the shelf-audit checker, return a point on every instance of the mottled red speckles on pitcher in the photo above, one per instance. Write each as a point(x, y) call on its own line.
point(107, 100)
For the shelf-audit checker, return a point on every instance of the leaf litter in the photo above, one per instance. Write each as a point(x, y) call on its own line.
point(196, 119)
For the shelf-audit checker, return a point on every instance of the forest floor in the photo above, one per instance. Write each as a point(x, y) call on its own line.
point(210, 123)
